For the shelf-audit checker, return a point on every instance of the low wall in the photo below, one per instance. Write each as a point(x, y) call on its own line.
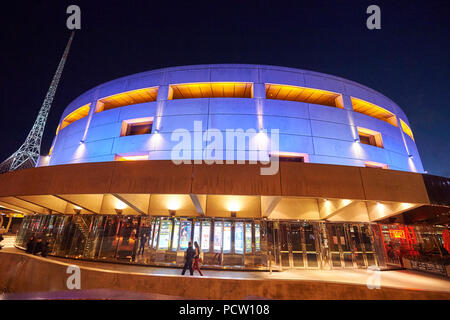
point(22, 273)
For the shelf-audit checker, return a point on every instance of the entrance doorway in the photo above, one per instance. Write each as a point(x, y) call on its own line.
point(299, 245)
point(351, 246)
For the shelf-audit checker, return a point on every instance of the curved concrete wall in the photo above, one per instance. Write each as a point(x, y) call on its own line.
point(326, 134)
point(23, 273)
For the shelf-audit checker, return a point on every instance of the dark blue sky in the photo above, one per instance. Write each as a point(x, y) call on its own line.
point(407, 60)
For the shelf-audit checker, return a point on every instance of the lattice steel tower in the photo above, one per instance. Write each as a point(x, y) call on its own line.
point(29, 151)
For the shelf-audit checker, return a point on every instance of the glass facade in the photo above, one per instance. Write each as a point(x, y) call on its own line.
point(226, 242)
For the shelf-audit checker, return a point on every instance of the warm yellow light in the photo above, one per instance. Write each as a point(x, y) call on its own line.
point(127, 98)
point(302, 94)
point(77, 207)
point(132, 158)
point(173, 204)
point(120, 205)
point(406, 129)
point(372, 110)
point(373, 164)
point(211, 90)
point(234, 206)
point(78, 114)
point(346, 202)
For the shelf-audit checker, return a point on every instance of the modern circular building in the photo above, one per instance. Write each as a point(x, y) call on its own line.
point(265, 167)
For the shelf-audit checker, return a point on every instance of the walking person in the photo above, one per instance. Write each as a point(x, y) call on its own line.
point(197, 258)
point(38, 246)
point(45, 248)
point(142, 244)
point(189, 255)
point(30, 245)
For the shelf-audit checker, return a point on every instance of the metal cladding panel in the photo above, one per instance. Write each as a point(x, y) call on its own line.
point(317, 180)
point(234, 179)
point(393, 185)
point(164, 177)
point(323, 132)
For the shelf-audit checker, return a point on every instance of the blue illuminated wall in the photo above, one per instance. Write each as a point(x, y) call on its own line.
point(326, 134)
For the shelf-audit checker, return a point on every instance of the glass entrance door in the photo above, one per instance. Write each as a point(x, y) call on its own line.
point(340, 248)
point(284, 245)
point(311, 243)
point(299, 246)
point(351, 246)
point(296, 233)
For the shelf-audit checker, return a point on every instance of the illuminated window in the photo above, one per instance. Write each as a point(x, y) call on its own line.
point(131, 157)
point(370, 137)
point(372, 164)
point(306, 95)
point(374, 111)
point(210, 90)
point(74, 116)
point(290, 156)
point(127, 98)
point(406, 129)
point(138, 126)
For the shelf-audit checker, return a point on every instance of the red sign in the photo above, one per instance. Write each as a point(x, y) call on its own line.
point(398, 234)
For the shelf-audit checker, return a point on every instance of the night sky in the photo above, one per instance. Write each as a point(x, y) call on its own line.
point(407, 60)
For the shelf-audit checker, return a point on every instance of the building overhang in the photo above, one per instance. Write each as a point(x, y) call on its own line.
point(159, 187)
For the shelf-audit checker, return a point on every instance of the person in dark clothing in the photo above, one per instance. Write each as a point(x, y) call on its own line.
point(38, 246)
point(142, 244)
point(30, 245)
point(189, 255)
point(45, 248)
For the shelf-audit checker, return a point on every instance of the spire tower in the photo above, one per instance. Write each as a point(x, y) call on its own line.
point(28, 153)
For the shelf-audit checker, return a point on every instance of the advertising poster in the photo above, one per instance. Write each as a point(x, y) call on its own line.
point(239, 238)
point(206, 226)
point(248, 237)
point(227, 237)
point(257, 238)
point(196, 232)
point(176, 231)
point(218, 236)
point(164, 235)
point(185, 234)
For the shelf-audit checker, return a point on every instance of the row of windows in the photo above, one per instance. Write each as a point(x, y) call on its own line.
point(236, 90)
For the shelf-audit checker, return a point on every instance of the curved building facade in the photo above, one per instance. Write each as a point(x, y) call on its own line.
point(265, 167)
point(320, 118)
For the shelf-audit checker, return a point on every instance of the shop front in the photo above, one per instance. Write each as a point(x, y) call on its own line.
point(225, 243)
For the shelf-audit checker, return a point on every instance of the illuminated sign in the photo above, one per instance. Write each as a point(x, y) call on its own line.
point(164, 234)
point(218, 236)
point(227, 237)
point(185, 234)
point(248, 237)
point(239, 238)
point(206, 225)
point(257, 238)
point(197, 232)
point(397, 234)
point(176, 230)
